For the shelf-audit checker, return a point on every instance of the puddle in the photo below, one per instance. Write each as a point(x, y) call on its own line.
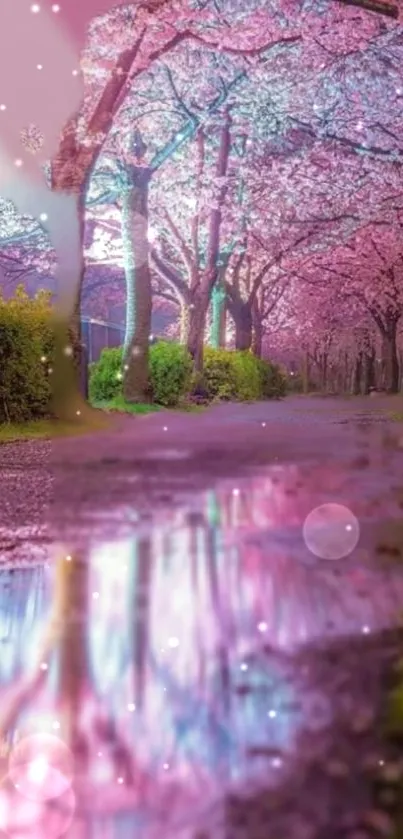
point(169, 454)
point(159, 650)
point(159, 646)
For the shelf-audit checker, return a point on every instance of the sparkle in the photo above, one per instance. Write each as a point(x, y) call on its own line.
point(18, 162)
point(2, 107)
point(39, 66)
point(173, 642)
point(244, 666)
point(120, 780)
point(35, 8)
point(366, 630)
point(235, 491)
point(44, 666)
point(95, 595)
point(78, 413)
point(55, 7)
point(131, 706)
point(56, 725)
point(272, 713)
point(166, 766)
point(262, 626)
point(43, 217)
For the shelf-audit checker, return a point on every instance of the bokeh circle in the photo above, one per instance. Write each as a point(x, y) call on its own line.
point(41, 767)
point(331, 531)
point(21, 816)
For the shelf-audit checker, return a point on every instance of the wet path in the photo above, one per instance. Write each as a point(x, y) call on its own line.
point(163, 616)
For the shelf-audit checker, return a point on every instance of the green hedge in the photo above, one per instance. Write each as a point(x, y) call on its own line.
point(227, 375)
point(240, 376)
point(170, 374)
point(27, 349)
point(26, 338)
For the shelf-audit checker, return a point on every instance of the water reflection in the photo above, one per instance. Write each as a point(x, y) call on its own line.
point(161, 660)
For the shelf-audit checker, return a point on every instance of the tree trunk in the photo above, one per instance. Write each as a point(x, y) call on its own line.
point(197, 323)
point(223, 325)
point(257, 326)
point(257, 339)
point(346, 372)
point(218, 322)
point(357, 375)
point(323, 371)
point(368, 372)
point(242, 315)
point(390, 362)
point(66, 396)
point(184, 323)
point(138, 285)
point(141, 617)
point(305, 373)
point(70, 626)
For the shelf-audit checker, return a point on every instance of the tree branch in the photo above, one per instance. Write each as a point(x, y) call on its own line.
point(168, 273)
point(377, 6)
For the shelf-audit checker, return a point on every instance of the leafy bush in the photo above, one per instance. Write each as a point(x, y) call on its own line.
point(170, 374)
point(227, 375)
point(220, 374)
point(26, 347)
point(273, 380)
point(295, 383)
point(105, 375)
point(240, 376)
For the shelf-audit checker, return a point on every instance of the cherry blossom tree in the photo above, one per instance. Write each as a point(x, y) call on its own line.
point(368, 271)
point(292, 168)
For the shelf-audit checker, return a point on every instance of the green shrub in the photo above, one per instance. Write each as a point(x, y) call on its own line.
point(170, 374)
point(249, 378)
point(220, 374)
point(227, 375)
point(26, 347)
point(273, 380)
point(236, 375)
point(105, 375)
point(295, 383)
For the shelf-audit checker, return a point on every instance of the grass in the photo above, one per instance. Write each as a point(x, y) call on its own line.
point(118, 404)
point(94, 417)
point(45, 430)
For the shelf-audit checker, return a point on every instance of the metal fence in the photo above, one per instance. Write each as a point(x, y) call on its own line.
point(98, 334)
